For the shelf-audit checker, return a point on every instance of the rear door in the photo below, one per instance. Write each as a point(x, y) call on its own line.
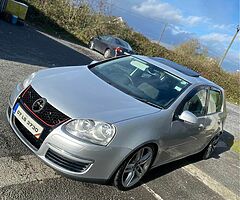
point(101, 43)
point(214, 117)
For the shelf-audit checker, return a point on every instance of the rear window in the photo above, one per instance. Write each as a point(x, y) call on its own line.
point(123, 44)
point(215, 102)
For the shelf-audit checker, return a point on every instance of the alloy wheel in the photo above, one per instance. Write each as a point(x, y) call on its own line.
point(107, 53)
point(137, 166)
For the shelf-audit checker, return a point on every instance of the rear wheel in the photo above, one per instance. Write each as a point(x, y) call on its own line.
point(206, 153)
point(211, 147)
point(107, 53)
point(134, 168)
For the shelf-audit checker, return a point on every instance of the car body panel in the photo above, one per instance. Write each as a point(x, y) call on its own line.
point(80, 94)
point(119, 105)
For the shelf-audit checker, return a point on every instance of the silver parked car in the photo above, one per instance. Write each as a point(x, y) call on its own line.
point(116, 119)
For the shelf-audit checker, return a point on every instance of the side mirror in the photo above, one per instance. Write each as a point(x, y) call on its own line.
point(188, 117)
point(93, 62)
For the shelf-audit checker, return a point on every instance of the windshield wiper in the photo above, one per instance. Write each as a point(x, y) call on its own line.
point(148, 102)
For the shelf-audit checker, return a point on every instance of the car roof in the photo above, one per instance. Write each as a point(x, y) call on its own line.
point(115, 37)
point(177, 66)
point(184, 72)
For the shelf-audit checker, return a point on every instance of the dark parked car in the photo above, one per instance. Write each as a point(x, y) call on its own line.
point(110, 46)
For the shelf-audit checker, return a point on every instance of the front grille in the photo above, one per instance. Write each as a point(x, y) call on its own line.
point(49, 115)
point(66, 163)
point(27, 134)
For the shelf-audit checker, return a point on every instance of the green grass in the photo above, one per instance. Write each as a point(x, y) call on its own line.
point(236, 146)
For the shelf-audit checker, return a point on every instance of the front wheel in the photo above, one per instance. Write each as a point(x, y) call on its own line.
point(134, 168)
point(206, 153)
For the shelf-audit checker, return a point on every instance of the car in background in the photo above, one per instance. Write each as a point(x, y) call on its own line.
point(116, 119)
point(110, 46)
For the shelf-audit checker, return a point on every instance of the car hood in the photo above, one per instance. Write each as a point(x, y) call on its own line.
point(79, 93)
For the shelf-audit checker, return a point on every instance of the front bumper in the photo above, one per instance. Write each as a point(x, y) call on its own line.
point(99, 163)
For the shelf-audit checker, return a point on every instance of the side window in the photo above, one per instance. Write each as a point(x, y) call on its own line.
point(197, 103)
point(109, 39)
point(105, 38)
point(215, 102)
point(116, 41)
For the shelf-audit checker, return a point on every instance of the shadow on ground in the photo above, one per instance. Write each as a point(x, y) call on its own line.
point(225, 144)
point(26, 45)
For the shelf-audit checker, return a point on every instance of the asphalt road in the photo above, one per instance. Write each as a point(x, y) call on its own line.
point(24, 50)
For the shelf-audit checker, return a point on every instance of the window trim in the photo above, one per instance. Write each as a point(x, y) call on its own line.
point(208, 99)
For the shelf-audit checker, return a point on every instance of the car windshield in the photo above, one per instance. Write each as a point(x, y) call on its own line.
point(142, 80)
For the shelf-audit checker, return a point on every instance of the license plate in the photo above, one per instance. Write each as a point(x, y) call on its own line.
point(27, 121)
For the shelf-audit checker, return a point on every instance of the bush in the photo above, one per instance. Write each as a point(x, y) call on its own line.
point(81, 20)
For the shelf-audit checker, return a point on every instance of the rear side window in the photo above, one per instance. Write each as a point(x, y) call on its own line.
point(215, 102)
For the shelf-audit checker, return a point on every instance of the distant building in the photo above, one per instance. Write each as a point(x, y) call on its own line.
point(118, 20)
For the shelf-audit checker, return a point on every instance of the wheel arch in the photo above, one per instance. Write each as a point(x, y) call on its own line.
point(149, 143)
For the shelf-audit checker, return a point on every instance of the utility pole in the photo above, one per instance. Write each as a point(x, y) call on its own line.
point(164, 28)
point(224, 56)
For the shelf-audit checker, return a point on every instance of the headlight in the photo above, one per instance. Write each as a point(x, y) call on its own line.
point(96, 132)
point(28, 80)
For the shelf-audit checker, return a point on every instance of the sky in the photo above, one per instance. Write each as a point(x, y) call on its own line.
point(212, 22)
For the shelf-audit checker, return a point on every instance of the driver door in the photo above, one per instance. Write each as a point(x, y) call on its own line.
point(186, 137)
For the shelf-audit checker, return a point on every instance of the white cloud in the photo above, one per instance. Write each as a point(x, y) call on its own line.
point(175, 30)
point(219, 26)
point(224, 27)
point(216, 37)
point(166, 13)
point(192, 20)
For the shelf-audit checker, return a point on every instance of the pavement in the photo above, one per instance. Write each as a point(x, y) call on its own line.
point(24, 50)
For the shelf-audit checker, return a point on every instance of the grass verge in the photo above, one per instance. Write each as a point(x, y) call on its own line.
point(236, 146)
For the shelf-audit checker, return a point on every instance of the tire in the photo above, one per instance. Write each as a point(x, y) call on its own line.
point(107, 53)
point(91, 45)
point(209, 149)
point(134, 168)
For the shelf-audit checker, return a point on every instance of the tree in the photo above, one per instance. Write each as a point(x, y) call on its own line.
point(192, 48)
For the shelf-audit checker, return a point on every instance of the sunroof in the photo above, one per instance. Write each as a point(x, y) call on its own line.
point(177, 67)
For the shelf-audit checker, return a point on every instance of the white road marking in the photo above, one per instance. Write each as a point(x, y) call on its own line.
point(24, 169)
point(153, 193)
point(211, 183)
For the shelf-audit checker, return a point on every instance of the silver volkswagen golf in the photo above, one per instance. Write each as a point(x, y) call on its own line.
point(116, 119)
